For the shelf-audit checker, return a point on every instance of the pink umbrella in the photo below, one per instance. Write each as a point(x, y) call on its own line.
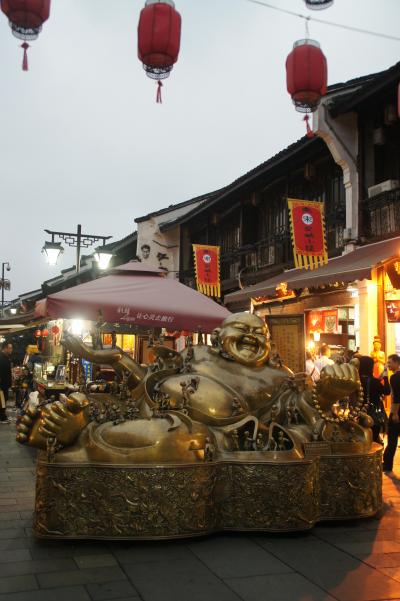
point(136, 295)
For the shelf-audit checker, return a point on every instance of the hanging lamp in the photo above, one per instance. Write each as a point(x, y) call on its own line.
point(26, 18)
point(159, 36)
point(306, 77)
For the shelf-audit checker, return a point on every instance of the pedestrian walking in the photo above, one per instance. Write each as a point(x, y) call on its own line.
point(311, 369)
point(374, 389)
point(325, 358)
point(394, 417)
point(5, 379)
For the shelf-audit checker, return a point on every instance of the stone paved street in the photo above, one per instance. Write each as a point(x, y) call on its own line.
point(348, 562)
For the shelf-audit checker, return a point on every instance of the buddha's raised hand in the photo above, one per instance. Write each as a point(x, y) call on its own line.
point(336, 383)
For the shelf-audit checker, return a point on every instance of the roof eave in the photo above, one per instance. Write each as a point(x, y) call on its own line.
point(302, 143)
point(384, 78)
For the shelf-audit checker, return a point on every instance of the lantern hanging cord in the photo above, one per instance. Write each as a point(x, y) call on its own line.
point(324, 22)
point(307, 29)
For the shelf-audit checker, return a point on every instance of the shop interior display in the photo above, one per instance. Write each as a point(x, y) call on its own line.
point(220, 437)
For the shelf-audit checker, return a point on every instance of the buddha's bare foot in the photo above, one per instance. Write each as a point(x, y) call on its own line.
point(63, 420)
point(27, 428)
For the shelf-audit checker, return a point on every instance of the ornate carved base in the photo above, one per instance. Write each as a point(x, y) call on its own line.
point(144, 502)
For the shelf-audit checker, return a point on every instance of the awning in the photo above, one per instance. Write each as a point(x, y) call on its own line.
point(136, 295)
point(355, 265)
point(22, 321)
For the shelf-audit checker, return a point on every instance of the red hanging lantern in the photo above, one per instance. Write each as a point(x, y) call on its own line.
point(26, 18)
point(38, 333)
point(318, 4)
point(159, 38)
point(45, 333)
point(306, 76)
point(55, 330)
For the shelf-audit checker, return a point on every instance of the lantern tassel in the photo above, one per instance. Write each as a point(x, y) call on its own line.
point(310, 133)
point(159, 96)
point(25, 46)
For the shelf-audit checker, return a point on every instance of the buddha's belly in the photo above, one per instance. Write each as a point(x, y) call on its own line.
point(155, 440)
point(205, 396)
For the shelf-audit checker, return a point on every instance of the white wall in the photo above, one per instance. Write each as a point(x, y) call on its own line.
point(341, 137)
point(166, 243)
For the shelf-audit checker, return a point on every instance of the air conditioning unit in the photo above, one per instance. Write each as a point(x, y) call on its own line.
point(386, 186)
point(347, 234)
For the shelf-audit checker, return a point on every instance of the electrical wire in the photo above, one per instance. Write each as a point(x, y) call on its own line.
point(324, 22)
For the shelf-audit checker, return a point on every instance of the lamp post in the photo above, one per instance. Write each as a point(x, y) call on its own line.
point(5, 284)
point(78, 240)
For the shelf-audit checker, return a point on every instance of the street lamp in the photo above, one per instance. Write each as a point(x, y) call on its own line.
point(5, 284)
point(53, 249)
point(103, 258)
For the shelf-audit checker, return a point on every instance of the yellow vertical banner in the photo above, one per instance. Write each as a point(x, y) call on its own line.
point(307, 222)
point(206, 263)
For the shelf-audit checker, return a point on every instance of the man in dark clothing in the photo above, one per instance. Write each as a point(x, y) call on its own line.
point(394, 417)
point(5, 379)
point(374, 390)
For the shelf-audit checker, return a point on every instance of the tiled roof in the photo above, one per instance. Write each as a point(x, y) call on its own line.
point(118, 244)
point(170, 208)
point(261, 169)
point(360, 89)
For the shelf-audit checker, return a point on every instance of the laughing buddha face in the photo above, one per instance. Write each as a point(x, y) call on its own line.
point(245, 338)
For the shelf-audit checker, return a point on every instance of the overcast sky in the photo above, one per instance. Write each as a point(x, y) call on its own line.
point(83, 141)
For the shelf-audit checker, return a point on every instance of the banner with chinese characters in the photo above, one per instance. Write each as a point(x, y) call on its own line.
point(206, 263)
point(288, 336)
point(308, 233)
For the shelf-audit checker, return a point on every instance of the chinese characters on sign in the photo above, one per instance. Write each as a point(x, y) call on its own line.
point(206, 262)
point(287, 333)
point(140, 316)
point(308, 233)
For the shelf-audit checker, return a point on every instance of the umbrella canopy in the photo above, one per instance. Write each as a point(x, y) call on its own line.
point(136, 295)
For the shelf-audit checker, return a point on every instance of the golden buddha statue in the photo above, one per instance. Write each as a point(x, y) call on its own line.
point(207, 407)
point(379, 358)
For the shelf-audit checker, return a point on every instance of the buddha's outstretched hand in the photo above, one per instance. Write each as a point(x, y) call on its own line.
point(63, 420)
point(337, 382)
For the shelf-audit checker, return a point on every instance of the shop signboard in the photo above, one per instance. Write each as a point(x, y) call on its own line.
point(206, 262)
point(393, 311)
point(288, 337)
point(308, 233)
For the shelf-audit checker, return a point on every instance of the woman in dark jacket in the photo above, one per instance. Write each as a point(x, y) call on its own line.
point(374, 389)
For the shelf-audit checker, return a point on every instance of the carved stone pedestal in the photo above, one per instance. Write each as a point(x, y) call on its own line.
point(152, 502)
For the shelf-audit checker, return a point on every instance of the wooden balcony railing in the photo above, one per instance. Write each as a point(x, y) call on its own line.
point(381, 215)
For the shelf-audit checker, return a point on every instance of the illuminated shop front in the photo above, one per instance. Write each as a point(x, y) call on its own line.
point(351, 304)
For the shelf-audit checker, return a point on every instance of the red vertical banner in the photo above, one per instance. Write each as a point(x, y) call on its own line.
point(308, 233)
point(331, 321)
point(206, 262)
